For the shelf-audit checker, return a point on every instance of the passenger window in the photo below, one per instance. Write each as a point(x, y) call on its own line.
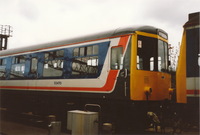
point(85, 66)
point(89, 50)
point(82, 51)
point(76, 52)
point(116, 58)
point(95, 49)
point(18, 59)
point(85, 61)
point(85, 51)
point(53, 66)
point(34, 62)
point(60, 53)
point(3, 62)
point(2, 69)
point(93, 61)
point(18, 67)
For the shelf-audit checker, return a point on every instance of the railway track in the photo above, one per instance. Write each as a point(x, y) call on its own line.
point(42, 122)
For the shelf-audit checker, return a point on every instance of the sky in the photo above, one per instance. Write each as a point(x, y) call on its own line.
point(40, 21)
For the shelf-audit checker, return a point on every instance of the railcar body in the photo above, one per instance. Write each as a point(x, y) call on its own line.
point(188, 83)
point(192, 55)
point(122, 70)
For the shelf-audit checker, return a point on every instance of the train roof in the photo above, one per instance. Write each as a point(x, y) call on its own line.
point(101, 35)
point(193, 20)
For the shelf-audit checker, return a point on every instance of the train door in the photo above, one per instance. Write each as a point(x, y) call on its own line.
point(149, 80)
point(120, 62)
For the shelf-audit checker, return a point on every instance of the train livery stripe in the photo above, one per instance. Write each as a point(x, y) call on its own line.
point(106, 88)
point(123, 42)
point(193, 93)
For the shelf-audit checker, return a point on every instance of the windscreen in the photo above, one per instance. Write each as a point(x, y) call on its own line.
point(152, 54)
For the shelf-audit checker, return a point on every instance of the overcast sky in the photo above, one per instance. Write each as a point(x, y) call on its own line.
point(39, 21)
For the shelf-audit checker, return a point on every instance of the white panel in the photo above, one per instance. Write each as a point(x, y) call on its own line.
point(192, 83)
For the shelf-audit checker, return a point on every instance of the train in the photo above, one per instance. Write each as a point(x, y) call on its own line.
point(187, 75)
point(125, 71)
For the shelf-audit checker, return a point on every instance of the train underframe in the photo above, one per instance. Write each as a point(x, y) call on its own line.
point(124, 115)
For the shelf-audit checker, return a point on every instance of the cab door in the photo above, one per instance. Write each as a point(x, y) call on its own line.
point(118, 60)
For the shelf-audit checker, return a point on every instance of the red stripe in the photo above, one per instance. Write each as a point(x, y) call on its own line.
point(123, 41)
point(193, 92)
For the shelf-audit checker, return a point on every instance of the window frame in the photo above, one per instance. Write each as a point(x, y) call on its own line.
point(152, 54)
point(116, 58)
point(81, 67)
point(18, 67)
point(53, 64)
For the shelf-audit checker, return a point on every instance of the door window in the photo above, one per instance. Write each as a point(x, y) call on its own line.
point(116, 58)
